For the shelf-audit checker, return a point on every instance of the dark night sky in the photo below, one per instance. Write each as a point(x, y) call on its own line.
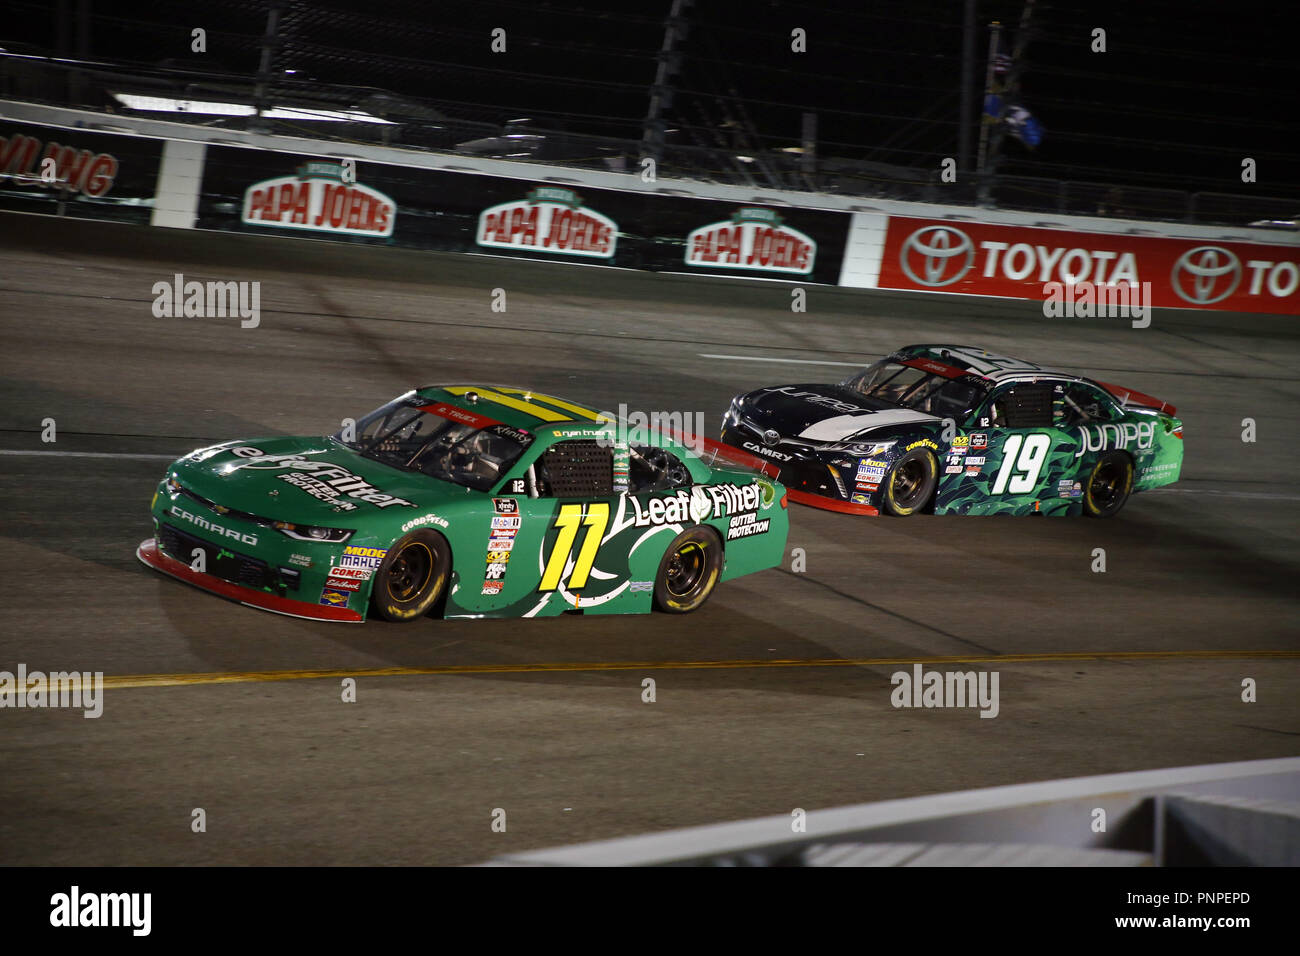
point(1185, 91)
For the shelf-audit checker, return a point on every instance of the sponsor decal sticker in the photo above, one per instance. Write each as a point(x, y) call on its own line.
point(500, 523)
point(698, 504)
point(358, 557)
point(354, 574)
point(979, 440)
point(319, 199)
point(342, 584)
point(746, 525)
point(923, 443)
point(641, 587)
point(752, 239)
point(506, 506)
point(552, 219)
point(322, 480)
point(440, 521)
point(871, 470)
point(492, 587)
point(1115, 435)
point(301, 560)
point(333, 597)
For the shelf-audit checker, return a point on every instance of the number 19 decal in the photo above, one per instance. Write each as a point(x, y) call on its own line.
point(567, 522)
point(1025, 454)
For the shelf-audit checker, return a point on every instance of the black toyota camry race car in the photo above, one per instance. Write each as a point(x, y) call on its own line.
point(958, 430)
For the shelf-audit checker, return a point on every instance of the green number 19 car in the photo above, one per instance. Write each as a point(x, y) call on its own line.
point(466, 500)
point(958, 430)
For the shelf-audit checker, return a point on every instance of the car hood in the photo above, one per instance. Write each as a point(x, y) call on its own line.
point(306, 480)
point(822, 413)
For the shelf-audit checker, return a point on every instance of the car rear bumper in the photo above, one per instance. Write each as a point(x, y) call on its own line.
point(152, 555)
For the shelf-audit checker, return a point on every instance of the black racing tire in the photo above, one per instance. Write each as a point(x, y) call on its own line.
point(689, 571)
point(910, 484)
point(413, 576)
point(1108, 485)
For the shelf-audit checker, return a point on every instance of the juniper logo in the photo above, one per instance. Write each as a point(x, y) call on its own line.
point(76, 909)
point(65, 689)
point(946, 689)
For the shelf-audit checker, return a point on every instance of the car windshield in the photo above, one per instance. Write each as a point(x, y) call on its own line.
point(410, 433)
point(915, 388)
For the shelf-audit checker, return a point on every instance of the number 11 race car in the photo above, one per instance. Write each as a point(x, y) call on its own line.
point(961, 431)
point(472, 501)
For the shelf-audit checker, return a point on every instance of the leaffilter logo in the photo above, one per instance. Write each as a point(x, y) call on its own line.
point(944, 254)
point(1214, 272)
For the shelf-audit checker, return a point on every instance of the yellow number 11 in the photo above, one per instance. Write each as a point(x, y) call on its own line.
point(568, 521)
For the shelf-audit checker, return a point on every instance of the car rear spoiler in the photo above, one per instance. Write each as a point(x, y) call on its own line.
point(1126, 397)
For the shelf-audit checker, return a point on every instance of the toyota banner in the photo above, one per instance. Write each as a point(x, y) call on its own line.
point(1018, 261)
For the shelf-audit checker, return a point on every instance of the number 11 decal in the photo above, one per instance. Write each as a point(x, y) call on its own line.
point(1026, 454)
point(567, 522)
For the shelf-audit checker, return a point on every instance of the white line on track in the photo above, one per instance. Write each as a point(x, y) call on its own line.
point(783, 361)
point(87, 454)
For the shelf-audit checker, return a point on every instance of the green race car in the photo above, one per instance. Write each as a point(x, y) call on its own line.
point(958, 430)
point(472, 501)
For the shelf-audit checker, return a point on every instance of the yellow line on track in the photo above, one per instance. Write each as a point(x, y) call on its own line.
point(452, 670)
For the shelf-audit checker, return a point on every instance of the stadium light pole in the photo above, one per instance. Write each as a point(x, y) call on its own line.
point(661, 92)
point(967, 107)
point(270, 43)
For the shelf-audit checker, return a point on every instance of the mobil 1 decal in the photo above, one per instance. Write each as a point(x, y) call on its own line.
point(756, 239)
point(549, 219)
point(320, 197)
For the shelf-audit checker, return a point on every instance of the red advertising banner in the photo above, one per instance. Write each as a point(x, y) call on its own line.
point(1018, 262)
